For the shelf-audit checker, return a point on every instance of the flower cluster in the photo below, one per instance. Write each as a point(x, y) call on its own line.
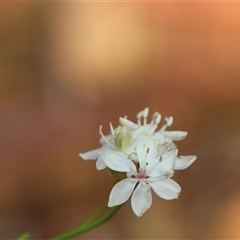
point(144, 157)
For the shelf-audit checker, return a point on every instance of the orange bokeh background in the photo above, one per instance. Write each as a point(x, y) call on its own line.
point(67, 68)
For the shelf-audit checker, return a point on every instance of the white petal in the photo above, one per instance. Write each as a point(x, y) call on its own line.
point(160, 170)
point(103, 140)
point(175, 135)
point(128, 123)
point(100, 163)
point(147, 129)
point(121, 192)
point(167, 162)
point(184, 162)
point(165, 188)
point(91, 155)
point(146, 151)
point(161, 149)
point(152, 169)
point(141, 199)
point(118, 161)
point(169, 154)
point(160, 137)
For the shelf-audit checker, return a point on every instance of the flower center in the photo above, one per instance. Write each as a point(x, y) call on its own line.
point(141, 175)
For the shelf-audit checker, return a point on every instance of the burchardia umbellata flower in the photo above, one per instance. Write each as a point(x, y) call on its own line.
point(144, 156)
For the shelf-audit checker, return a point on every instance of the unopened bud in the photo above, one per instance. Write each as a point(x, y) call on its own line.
point(123, 138)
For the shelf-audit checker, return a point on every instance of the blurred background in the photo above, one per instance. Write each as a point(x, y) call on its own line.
point(67, 68)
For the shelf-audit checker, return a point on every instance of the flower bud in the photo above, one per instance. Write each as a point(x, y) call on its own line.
point(123, 138)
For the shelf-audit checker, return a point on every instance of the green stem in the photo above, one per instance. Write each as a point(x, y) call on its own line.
point(94, 215)
point(89, 224)
point(24, 236)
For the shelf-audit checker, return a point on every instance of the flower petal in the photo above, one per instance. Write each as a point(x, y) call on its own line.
point(128, 123)
point(167, 162)
point(121, 192)
point(152, 169)
point(146, 151)
point(165, 188)
point(91, 155)
point(175, 135)
point(106, 140)
point(169, 154)
point(184, 162)
point(118, 161)
point(100, 163)
point(147, 129)
point(141, 199)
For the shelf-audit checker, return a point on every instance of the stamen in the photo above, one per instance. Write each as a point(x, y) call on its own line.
point(139, 116)
point(143, 114)
point(112, 129)
point(167, 122)
point(152, 130)
point(146, 110)
point(104, 138)
point(156, 118)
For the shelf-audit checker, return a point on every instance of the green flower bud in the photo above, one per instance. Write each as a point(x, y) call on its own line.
point(123, 138)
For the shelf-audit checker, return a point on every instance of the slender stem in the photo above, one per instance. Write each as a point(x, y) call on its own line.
point(24, 236)
point(89, 224)
point(94, 215)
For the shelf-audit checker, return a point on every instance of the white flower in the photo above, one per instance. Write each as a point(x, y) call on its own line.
point(125, 137)
point(165, 138)
point(105, 141)
point(120, 139)
point(141, 158)
point(152, 172)
point(184, 162)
